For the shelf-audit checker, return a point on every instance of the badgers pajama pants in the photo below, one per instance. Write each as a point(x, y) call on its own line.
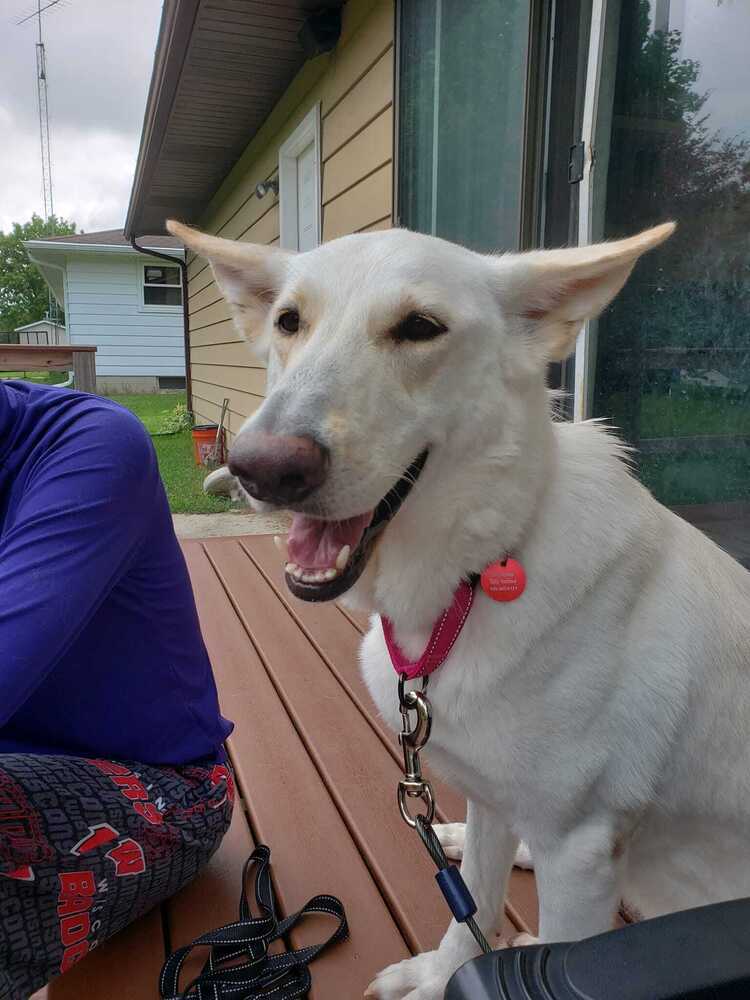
point(86, 846)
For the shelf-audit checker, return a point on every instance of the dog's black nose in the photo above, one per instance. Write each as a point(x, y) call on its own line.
point(278, 469)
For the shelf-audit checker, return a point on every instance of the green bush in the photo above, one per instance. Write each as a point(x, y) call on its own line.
point(176, 420)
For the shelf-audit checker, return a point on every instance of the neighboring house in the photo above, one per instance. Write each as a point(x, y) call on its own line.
point(503, 125)
point(42, 331)
point(127, 304)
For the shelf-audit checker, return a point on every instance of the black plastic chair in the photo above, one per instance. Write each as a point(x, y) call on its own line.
point(701, 954)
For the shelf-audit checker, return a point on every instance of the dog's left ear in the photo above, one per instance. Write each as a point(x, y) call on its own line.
point(554, 291)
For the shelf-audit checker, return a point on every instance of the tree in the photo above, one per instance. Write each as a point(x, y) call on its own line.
point(684, 313)
point(667, 161)
point(23, 291)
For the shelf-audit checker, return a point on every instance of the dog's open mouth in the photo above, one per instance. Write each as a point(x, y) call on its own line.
point(326, 558)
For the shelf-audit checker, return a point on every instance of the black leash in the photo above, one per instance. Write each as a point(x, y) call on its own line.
point(238, 966)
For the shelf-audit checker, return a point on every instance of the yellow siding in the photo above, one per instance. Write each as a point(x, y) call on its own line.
point(354, 85)
point(366, 152)
point(360, 206)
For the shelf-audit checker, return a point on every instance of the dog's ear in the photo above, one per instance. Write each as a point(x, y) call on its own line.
point(555, 291)
point(249, 275)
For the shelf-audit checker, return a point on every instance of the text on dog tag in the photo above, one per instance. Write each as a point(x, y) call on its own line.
point(504, 581)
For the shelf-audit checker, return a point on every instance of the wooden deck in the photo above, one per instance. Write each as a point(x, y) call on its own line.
point(54, 358)
point(316, 776)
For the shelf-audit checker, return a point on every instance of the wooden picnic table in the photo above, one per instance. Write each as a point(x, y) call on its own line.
point(316, 774)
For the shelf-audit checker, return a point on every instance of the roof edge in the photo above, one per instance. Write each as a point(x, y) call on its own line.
point(175, 31)
point(28, 326)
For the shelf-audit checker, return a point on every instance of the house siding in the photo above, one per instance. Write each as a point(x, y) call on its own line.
point(104, 306)
point(355, 91)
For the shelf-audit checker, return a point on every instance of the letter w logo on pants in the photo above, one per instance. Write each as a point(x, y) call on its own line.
point(127, 858)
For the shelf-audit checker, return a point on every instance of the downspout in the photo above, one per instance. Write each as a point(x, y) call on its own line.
point(185, 316)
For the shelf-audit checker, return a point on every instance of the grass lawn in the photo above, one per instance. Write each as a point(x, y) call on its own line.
point(697, 411)
point(42, 378)
point(182, 478)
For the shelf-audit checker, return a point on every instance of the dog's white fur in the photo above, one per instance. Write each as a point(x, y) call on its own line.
point(604, 716)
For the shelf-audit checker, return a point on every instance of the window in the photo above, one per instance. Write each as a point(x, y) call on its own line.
point(299, 185)
point(669, 360)
point(162, 286)
point(462, 93)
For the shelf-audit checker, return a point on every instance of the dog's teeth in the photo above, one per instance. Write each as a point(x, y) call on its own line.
point(311, 575)
point(343, 557)
point(281, 545)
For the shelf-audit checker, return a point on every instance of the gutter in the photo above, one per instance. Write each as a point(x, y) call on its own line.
point(85, 247)
point(185, 316)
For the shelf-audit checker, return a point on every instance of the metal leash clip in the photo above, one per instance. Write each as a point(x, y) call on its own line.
point(412, 740)
point(414, 786)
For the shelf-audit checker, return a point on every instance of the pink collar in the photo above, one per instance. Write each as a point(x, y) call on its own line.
point(444, 634)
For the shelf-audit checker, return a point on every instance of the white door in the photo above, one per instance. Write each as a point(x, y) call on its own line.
point(306, 197)
point(299, 185)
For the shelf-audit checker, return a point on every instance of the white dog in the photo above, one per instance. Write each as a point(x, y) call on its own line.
point(604, 716)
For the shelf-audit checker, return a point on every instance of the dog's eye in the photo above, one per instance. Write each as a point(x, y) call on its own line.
point(288, 321)
point(416, 327)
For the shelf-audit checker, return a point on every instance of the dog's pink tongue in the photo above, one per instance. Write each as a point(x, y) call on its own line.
point(315, 544)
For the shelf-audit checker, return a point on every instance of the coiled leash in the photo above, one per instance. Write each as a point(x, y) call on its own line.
point(238, 966)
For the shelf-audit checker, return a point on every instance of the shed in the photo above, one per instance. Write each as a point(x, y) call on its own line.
point(42, 331)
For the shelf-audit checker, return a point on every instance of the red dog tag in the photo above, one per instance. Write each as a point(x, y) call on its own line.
point(504, 581)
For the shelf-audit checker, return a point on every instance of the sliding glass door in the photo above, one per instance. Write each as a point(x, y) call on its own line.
point(546, 122)
point(490, 99)
point(462, 92)
point(670, 359)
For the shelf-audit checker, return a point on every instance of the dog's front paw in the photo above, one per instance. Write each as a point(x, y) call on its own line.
point(421, 978)
point(452, 837)
point(523, 941)
point(523, 858)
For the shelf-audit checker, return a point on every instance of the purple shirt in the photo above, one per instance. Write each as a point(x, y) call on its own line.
point(101, 652)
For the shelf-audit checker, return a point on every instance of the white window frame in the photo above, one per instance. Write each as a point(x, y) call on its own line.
point(306, 132)
point(585, 353)
point(144, 306)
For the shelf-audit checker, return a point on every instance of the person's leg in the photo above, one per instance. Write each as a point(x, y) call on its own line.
point(87, 846)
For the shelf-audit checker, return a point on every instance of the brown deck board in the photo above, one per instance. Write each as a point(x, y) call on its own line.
point(126, 967)
point(290, 808)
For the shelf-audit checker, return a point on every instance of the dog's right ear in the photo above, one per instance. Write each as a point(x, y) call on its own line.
point(249, 275)
point(553, 292)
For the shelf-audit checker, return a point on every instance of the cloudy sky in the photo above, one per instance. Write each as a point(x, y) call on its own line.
point(99, 56)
